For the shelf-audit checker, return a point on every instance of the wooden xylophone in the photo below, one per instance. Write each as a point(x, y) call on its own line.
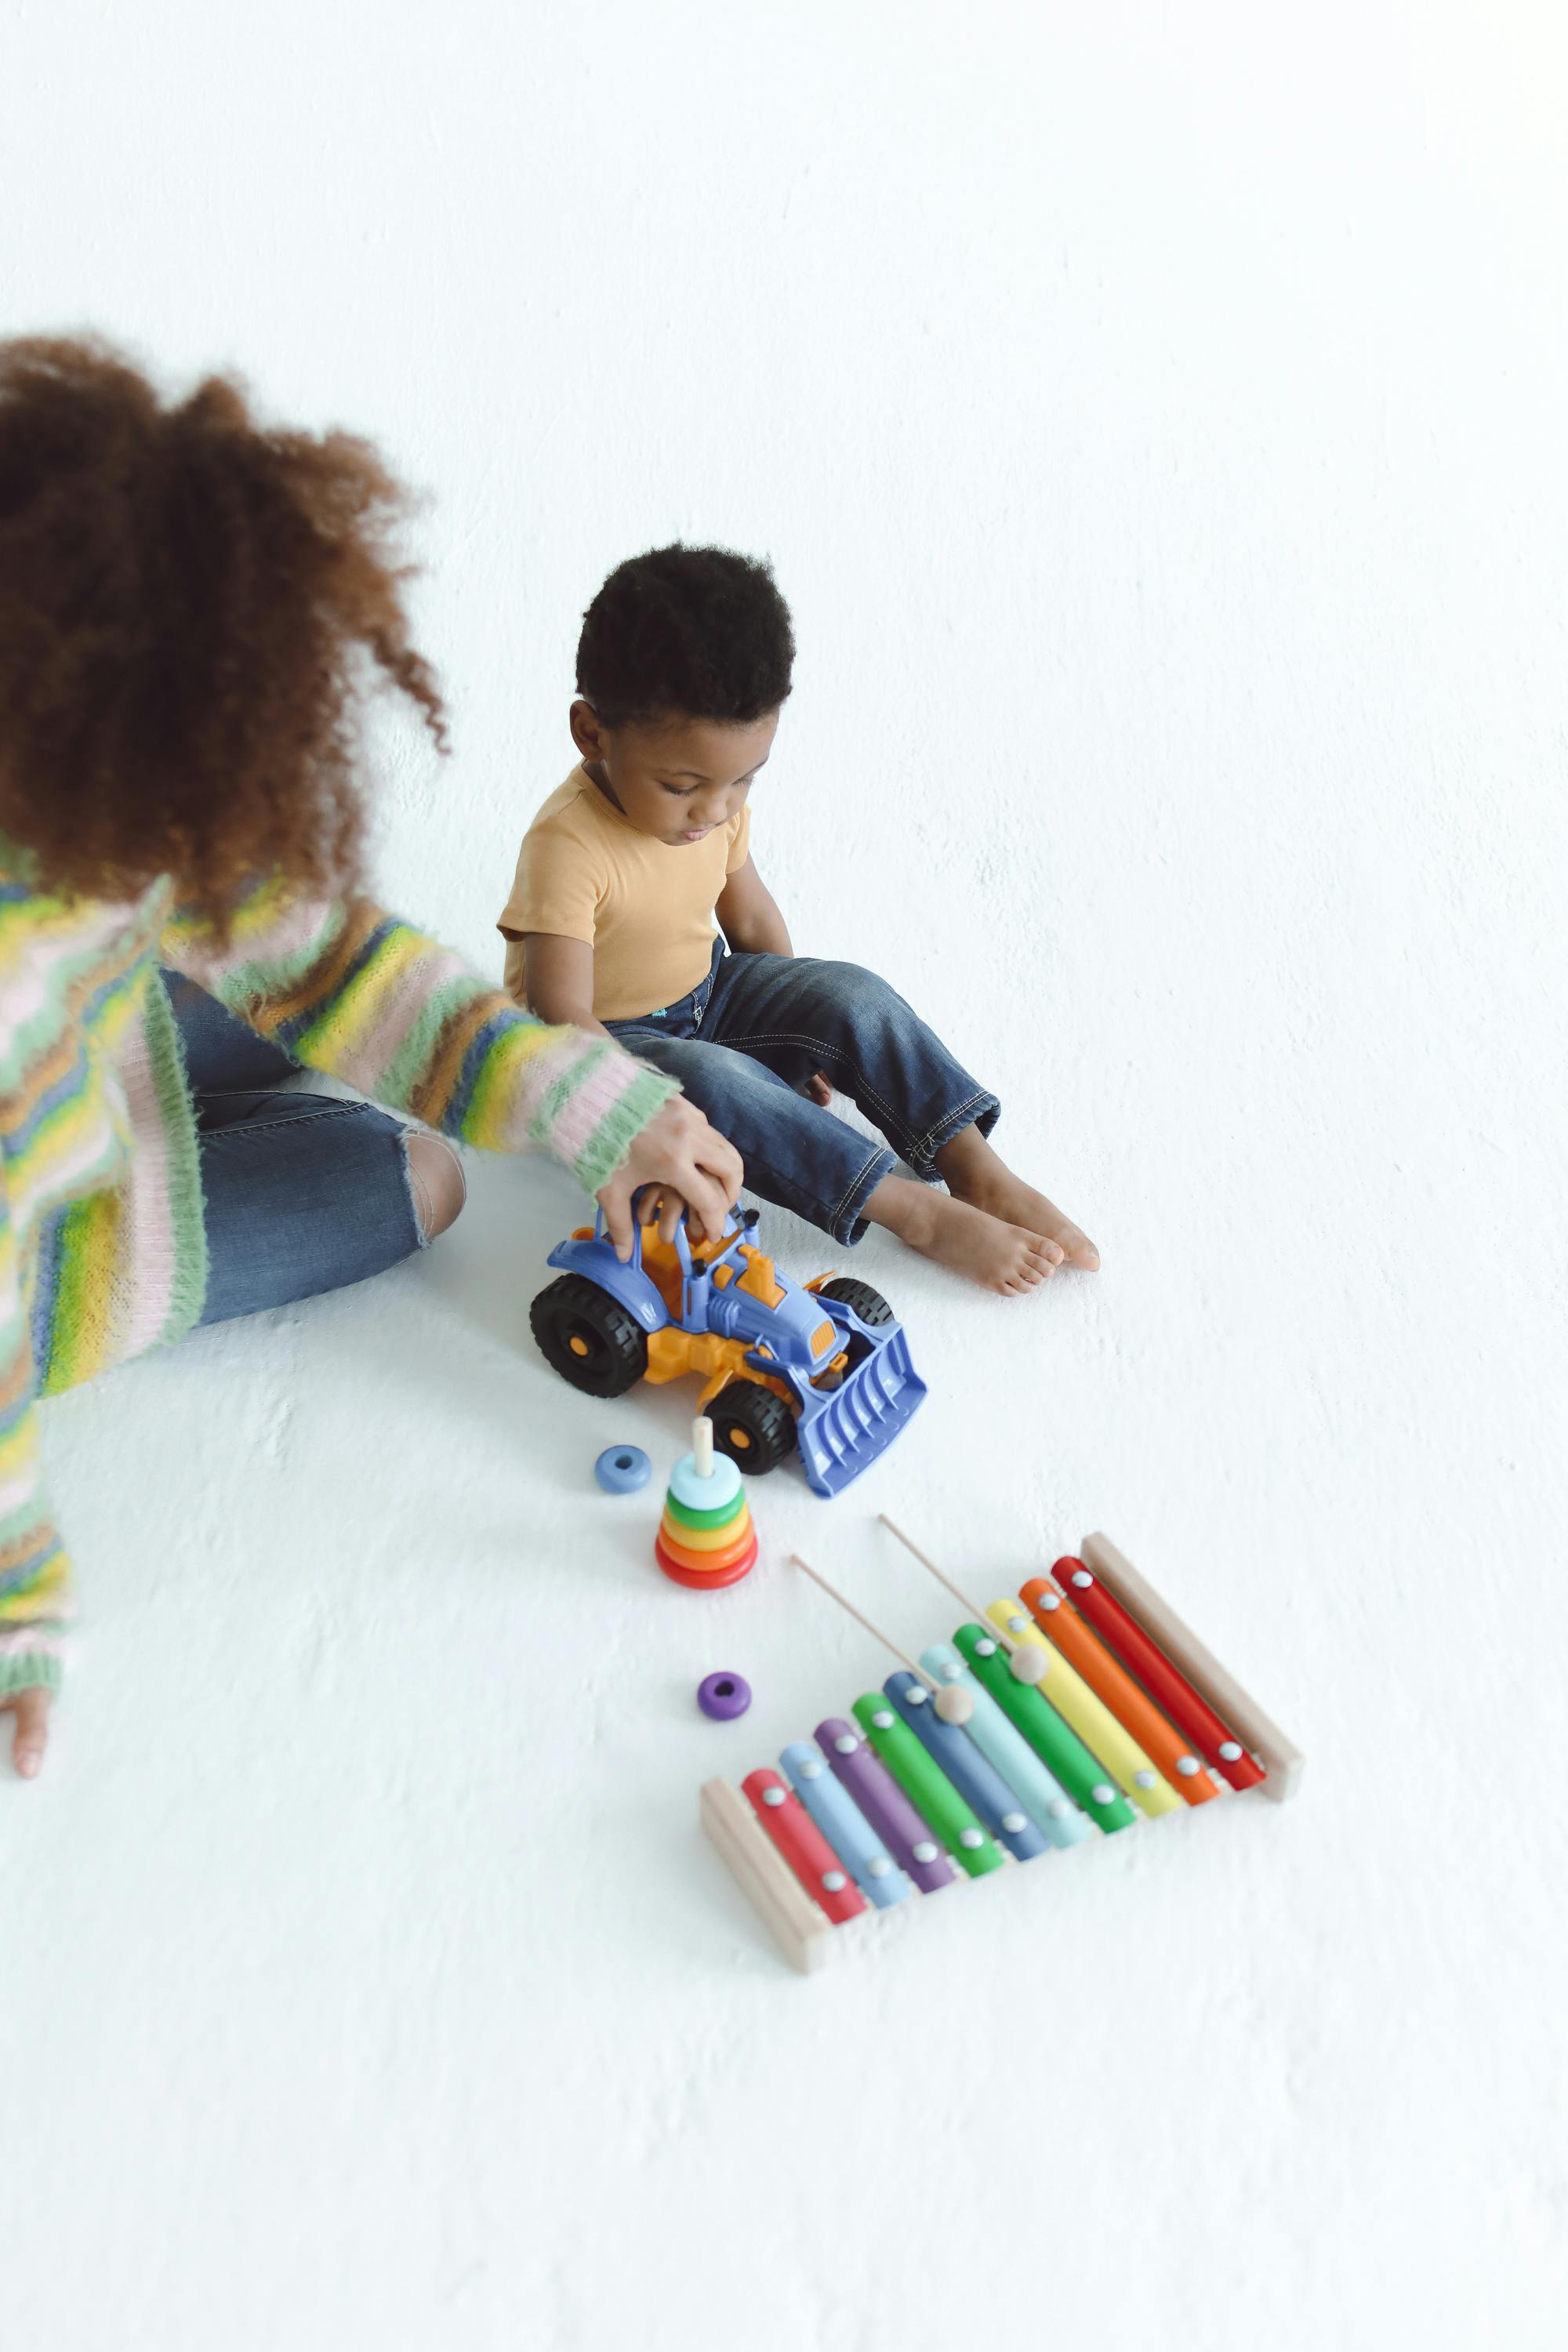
point(1074, 1711)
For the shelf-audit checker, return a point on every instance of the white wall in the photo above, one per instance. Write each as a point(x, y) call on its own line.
point(1157, 424)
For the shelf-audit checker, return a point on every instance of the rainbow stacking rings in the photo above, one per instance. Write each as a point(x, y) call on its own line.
point(706, 1538)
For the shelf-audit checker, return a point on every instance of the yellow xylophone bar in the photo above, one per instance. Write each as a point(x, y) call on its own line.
point(1085, 1712)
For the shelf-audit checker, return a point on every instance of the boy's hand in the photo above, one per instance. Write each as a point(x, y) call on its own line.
point(819, 1090)
point(689, 1162)
point(31, 1708)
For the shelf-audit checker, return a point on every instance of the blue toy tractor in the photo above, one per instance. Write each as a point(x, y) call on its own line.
point(825, 1366)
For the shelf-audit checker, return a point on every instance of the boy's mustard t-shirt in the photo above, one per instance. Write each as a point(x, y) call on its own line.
point(645, 906)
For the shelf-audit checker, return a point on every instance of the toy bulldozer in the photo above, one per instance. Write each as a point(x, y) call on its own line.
point(825, 1366)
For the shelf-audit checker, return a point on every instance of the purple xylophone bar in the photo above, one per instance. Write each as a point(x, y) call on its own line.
point(911, 1842)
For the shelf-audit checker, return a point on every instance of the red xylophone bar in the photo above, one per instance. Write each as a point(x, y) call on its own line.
point(1214, 1740)
point(802, 1846)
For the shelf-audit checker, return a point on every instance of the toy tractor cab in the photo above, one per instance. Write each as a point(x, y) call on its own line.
point(826, 1366)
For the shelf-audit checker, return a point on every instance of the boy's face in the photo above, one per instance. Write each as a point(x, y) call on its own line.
point(676, 778)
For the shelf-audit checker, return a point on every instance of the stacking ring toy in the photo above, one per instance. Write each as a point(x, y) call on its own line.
point(622, 1469)
point(706, 1539)
point(724, 1696)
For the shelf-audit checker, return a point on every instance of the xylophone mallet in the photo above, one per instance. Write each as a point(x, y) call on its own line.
point(955, 1705)
point(1054, 1741)
point(1005, 1749)
point(977, 1782)
point(912, 1841)
point(802, 1846)
point(1089, 1717)
point(1023, 1658)
point(1213, 1739)
point(927, 1785)
point(845, 1826)
point(1082, 1648)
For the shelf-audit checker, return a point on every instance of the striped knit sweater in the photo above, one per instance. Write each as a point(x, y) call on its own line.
point(102, 1253)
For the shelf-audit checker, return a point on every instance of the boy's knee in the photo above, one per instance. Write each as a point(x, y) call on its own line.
point(857, 991)
point(437, 1181)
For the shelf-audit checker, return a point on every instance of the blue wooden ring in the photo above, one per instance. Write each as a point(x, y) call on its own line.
point(622, 1469)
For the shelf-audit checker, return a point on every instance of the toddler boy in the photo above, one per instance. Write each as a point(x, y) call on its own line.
point(683, 666)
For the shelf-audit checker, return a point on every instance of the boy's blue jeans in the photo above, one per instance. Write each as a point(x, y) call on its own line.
point(749, 1038)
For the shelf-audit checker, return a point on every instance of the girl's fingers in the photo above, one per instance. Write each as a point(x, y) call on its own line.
point(615, 1202)
point(671, 1209)
point(708, 1202)
point(724, 1164)
point(32, 1709)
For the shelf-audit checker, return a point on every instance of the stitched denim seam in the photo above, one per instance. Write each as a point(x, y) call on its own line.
point(222, 1094)
point(881, 1152)
point(947, 1127)
point(271, 1125)
point(823, 1054)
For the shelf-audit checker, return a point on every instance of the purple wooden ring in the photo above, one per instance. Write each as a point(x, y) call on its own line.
point(724, 1696)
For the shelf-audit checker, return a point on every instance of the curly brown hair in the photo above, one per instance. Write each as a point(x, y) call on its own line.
point(191, 607)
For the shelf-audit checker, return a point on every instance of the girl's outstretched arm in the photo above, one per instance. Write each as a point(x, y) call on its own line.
point(347, 988)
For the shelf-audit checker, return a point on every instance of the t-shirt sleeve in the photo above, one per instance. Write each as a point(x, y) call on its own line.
point(555, 889)
point(739, 842)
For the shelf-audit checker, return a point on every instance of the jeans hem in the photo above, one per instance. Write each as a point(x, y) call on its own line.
point(981, 1110)
point(844, 1221)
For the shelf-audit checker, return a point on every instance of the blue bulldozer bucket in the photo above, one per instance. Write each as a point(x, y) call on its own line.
point(842, 1433)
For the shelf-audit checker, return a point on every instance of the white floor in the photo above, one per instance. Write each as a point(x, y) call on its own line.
point(1158, 437)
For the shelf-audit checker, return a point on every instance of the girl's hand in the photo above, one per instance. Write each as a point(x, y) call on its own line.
point(819, 1090)
point(31, 1708)
point(689, 1162)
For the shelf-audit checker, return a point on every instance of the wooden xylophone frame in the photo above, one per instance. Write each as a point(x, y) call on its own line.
point(804, 1933)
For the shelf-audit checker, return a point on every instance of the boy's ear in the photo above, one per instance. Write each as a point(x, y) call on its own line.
point(588, 732)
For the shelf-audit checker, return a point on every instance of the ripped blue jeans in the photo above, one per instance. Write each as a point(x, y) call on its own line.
point(748, 1038)
point(300, 1193)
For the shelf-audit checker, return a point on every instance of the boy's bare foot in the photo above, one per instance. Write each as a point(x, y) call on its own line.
point(1002, 1257)
point(972, 1172)
point(1022, 1205)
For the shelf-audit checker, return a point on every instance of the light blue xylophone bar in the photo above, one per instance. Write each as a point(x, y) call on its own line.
point(845, 1826)
point(978, 1783)
point(1004, 1746)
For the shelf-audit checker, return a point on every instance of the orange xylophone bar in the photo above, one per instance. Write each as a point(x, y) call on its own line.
point(1171, 1750)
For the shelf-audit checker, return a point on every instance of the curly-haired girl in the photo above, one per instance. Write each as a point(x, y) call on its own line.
point(192, 608)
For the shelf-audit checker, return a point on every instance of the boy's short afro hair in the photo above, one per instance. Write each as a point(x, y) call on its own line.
point(691, 632)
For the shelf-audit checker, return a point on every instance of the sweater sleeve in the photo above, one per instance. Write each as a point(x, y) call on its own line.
point(349, 989)
point(34, 1571)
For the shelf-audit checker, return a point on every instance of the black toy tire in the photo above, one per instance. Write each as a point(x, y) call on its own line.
point(859, 1297)
point(752, 1426)
point(611, 1353)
